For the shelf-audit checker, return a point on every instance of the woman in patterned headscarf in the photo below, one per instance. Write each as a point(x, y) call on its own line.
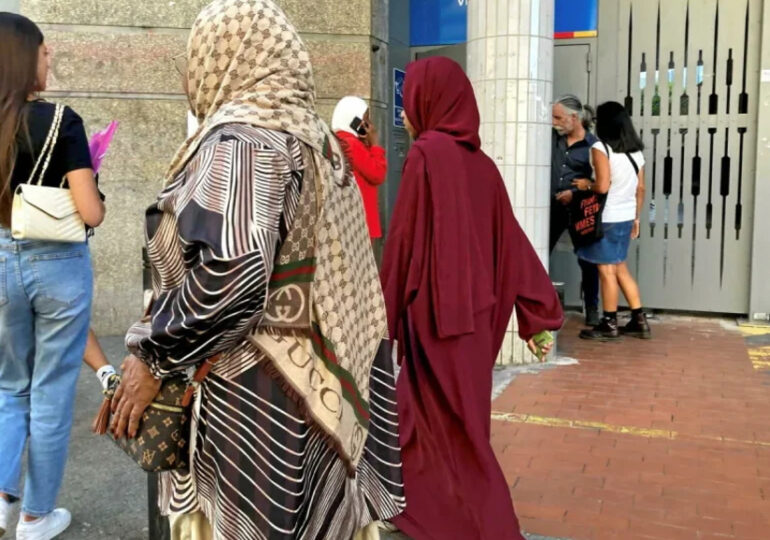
point(261, 254)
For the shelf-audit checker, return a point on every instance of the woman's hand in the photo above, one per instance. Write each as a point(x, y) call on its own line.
point(533, 349)
point(583, 184)
point(635, 230)
point(564, 197)
point(137, 390)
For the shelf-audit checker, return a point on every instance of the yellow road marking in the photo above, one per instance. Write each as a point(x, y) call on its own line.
point(581, 424)
point(749, 331)
point(760, 357)
point(550, 421)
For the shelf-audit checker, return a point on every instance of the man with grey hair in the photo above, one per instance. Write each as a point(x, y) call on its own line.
point(570, 162)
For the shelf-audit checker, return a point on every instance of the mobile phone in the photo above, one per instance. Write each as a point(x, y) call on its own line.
point(359, 126)
point(542, 340)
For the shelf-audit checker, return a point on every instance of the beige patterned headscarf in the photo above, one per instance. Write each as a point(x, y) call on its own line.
point(325, 315)
point(247, 64)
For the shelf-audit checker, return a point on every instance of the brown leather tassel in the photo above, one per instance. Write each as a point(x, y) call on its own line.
point(102, 419)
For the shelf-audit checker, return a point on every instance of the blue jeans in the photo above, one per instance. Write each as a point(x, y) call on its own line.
point(45, 308)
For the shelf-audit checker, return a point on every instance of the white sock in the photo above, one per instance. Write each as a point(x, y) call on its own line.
point(104, 375)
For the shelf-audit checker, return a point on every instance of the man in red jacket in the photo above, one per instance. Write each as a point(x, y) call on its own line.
point(352, 125)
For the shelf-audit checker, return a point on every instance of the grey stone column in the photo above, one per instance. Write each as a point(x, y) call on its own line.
point(510, 62)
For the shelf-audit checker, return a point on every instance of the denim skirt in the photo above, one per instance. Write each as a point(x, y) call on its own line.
point(612, 248)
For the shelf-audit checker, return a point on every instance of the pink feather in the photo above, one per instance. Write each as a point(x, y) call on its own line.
point(100, 143)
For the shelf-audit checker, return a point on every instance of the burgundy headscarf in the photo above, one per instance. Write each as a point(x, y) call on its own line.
point(438, 97)
point(440, 103)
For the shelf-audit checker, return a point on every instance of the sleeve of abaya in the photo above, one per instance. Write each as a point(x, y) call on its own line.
point(230, 229)
point(522, 281)
point(406, 244)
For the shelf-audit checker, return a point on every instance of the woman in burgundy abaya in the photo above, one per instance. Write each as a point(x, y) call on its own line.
point(456, 263)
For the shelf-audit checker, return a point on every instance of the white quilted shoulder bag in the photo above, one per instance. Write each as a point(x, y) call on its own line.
point(46, 213)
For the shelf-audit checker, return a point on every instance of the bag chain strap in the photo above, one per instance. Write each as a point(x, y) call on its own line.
point(48, 147)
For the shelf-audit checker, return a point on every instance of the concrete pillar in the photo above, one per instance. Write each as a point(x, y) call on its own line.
point(759, 308)
point(510, 62)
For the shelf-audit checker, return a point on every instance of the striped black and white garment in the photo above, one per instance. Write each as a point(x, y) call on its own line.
point(259, 469)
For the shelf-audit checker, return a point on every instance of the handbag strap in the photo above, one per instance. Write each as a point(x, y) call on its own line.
point(47, 152)
point(633, 163)
point(628, 155)
point(200, 375)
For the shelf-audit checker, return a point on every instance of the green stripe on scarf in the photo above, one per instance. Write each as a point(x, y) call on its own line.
point(323, 348)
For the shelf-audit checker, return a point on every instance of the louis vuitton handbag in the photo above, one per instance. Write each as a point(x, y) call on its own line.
point(161, 444)
point(162, 441)
point(46, 213)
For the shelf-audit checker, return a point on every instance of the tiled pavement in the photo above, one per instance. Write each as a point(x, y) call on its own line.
point(665, 439)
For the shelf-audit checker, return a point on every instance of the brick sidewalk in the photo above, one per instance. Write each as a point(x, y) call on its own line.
point(666, 439)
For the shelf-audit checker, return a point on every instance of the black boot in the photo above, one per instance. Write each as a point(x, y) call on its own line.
point(638, 326)
point(592, 316)
point(606, 330)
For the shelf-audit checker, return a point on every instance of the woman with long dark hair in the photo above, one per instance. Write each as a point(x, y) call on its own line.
point(45, 287)
point(619, 166)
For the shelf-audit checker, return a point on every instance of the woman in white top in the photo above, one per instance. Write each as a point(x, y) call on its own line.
point(619, 167)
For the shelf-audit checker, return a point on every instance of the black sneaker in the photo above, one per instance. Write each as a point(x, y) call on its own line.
point(637, 327)
point(606, 330)
point(592, 316)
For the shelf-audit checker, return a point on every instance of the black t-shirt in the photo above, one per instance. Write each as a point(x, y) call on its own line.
point(70, 152)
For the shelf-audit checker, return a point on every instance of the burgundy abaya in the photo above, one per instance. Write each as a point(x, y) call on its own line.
point(456, 263)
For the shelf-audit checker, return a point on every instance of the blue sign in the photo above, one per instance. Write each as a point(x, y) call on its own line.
point(398, 97)
point(438, 22)
point(445, 22)
point(576, 18)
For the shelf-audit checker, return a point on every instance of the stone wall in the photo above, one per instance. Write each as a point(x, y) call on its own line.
point(112, 60)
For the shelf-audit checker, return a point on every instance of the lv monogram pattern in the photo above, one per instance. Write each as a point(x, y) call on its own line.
point(163, 437)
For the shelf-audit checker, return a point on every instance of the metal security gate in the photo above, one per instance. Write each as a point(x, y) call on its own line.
point(688, 71)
